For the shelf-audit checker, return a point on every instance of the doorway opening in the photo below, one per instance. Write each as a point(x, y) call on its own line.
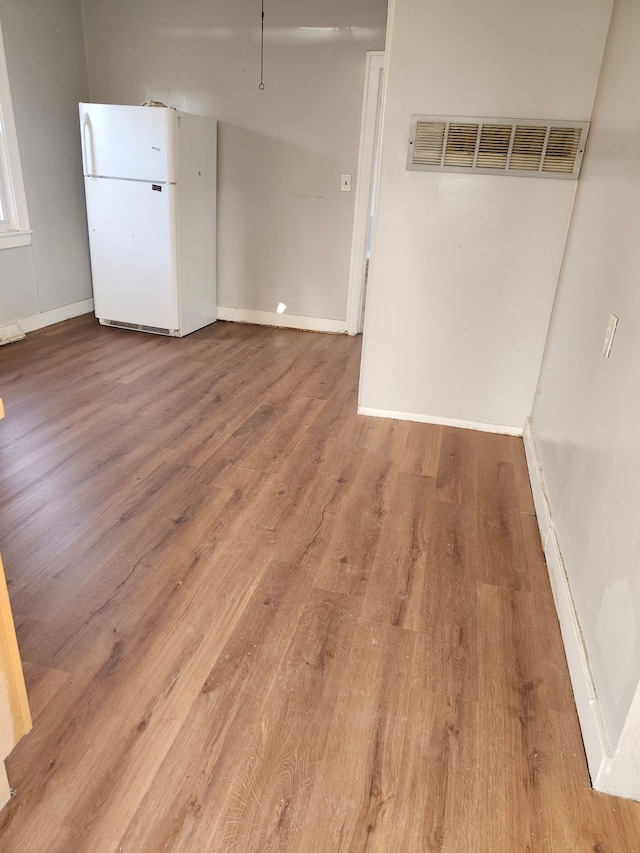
point(366, 190)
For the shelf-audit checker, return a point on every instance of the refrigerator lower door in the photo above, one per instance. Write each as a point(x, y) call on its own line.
point(132, 237)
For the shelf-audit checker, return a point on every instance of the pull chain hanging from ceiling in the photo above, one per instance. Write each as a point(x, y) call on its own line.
point(261, 86)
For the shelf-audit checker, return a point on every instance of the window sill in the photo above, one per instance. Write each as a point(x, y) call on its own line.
point(13, 239)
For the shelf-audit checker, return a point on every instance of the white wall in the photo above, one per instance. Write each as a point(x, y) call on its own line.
point(587, 412)
point(44, 46)
point(465, 267)
point(284, 227)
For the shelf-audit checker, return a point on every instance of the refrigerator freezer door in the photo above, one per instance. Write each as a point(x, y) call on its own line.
point(133, 252)
point(128, 142)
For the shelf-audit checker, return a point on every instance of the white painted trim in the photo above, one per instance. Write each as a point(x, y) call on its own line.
point(543, 513)
point(282, 321)
point(594, 736)
point(56, 315)
point(428, 419)
point(364, 179)
point(620, 775)
point(10, 166)
point(14, 239)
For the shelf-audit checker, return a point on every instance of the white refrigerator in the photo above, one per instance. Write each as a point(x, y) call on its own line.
point(150, 188)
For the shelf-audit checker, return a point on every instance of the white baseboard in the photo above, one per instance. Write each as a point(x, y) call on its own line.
point(620, 775)
point(235, 315)
point(282, 321)
point(427, 419)
point(594, 736)
point(56, 315)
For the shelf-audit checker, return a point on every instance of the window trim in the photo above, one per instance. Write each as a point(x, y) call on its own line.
point(16, 231)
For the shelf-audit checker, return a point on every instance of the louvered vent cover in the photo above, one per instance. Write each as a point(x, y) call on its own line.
point(494, 146)
point(139, 327)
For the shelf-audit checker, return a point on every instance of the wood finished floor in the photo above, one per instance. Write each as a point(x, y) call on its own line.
point(253, 620)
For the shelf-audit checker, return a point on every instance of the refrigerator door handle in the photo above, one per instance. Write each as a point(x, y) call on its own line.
point(87, 146)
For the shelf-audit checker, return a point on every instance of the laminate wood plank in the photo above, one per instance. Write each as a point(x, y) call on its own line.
point(87, 485)
point(394, 590)
point(269, 798)
point(131, 521)
point(103, 763)
point(37, 641)
point(39, 752)
point(456, 476)
point(558, 773)
point(361, 770)
point(60, 839)
point(595, 828)
point(417, 448)
point(437, 786)
point(70, 371)
point(378, 435)
point(202, 425)
point(341, 420)
point(273, 452)
point(169, 386)
point(555, 689)
point(212, 467)
point(501, 556)
point(222, 717)
point(288, 495)
point(66, 839)
point(232, 406)
point(160, 390)
point(339, 354)
point(528, 730)
point(446, 646)
point(113, 593)
point(104, 427)
point(321, 382)
point(506, 653)
point(496, 484)
point(207, 420)
point(31, 441)
point(312, 488)
point(508, 717)
point(346, 564)
point(44, 356)
point(43, 684)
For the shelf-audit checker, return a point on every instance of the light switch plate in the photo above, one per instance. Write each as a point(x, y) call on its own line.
point(345, 183)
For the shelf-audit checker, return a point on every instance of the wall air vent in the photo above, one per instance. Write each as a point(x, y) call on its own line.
point(497, 146)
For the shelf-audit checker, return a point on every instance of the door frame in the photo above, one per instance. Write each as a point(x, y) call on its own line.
point(367, 168)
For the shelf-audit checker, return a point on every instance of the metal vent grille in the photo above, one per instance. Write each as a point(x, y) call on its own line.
point(563, 147)
point(429, 143)
point(460, 149)
point(528, 147)
point(138, 327)
point(494, 146)
point(495, 142)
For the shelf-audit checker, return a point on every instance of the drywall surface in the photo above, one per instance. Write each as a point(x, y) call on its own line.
point(44, 47)
point(587, 408)
point(17, 286)
point(464, 267)
point(284, 226)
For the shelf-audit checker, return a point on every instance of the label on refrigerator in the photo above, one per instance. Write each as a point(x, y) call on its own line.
point(156, 187)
